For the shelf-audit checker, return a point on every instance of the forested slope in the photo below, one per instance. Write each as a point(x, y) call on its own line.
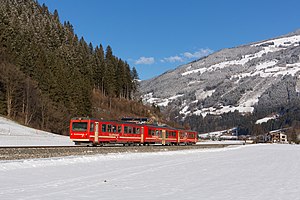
point(48, 74)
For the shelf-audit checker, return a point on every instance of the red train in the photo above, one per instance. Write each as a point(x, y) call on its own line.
point(99, 132)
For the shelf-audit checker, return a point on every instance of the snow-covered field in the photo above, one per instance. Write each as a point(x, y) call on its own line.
point(238, 172)
point(257, 172)
point(13, 134)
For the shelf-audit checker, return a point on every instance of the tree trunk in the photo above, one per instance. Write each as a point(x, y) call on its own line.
point(9, 102)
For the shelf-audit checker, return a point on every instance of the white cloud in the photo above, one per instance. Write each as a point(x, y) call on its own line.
point(145, 61)
point(198, 54)
point(173, 59)
point(185, 57)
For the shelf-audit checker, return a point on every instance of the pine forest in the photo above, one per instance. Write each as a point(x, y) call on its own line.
point(49, 75)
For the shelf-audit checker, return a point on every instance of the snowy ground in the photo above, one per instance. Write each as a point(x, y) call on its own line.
point(13, 134)
point(241, 172)
point(257, 172)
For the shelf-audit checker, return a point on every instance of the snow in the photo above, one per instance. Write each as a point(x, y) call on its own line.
point(266, 119)
point(204, 94)
point(201, 70)
point(243, 108)
point(266, 64)
point(229, 63)
point(218, 142)
point(245, 172)
point(284, 42)
point(278, 45)
point(193, 82)
point(160, 101)
point(13, 134)
point(237, 172)
point(269, 68)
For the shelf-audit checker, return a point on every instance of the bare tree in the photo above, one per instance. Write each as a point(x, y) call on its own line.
point(11, 78)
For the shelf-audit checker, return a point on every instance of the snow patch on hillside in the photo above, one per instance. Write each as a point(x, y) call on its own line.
point(148, 98)
point(223, 109)
point(204, 94)
point(266, 119)
point(201, 71)
point(283, 42)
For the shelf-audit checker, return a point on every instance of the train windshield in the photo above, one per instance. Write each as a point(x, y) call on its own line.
point(79, 126)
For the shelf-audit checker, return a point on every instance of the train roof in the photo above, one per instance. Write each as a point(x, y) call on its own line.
point(83, 118)
point(133, 121)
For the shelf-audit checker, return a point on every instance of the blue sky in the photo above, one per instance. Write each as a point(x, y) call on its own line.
point(159, 35)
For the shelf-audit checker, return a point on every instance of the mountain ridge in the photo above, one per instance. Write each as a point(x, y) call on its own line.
point(262, 75)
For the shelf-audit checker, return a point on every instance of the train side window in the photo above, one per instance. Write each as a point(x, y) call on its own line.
point(109, 128)
point(114, 128)
point(167, 134)
point(152, 132)
point(134, 130)
point(138, 131)
point(119, 129)
point(92, 127)
point(103, 127)
point(129, 129)
point(125, 129)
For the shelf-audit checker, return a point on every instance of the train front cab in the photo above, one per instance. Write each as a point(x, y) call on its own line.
point(187, 137)
point(82, 130)
point(192, 137)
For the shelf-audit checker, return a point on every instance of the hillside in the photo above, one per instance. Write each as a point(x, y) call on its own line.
point(234, 87)
point(49, 75)
point(14, 134)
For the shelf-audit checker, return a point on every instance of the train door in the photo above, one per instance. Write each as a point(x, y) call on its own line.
point(96, 138)
point(142, 135)
point(163, 137)
point(178, 137)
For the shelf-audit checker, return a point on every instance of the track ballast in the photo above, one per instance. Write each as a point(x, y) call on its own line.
point(31, 152)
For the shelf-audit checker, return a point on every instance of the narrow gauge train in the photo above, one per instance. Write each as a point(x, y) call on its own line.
point(98, 132)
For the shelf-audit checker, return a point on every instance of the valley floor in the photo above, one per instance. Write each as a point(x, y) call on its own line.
point(239, 172)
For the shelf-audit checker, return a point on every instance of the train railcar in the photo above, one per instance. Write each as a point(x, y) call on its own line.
point(187, 137)
point(82, 130)
point(160, 135)
point(132, 134)
point(99, 132)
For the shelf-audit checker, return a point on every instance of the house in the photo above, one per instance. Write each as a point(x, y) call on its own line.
point(276, 136)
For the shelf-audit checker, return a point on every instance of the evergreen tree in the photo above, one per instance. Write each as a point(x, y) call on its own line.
point(110, 73)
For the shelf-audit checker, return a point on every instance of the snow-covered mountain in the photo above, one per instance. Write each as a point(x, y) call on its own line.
point(264, 74)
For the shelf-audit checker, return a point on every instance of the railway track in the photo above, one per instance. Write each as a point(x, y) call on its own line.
point(15, 153)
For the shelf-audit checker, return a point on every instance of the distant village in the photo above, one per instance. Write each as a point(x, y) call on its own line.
point(275, 136)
